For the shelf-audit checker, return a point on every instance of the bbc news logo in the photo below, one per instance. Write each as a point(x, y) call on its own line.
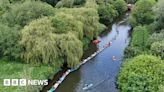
point(24, 82)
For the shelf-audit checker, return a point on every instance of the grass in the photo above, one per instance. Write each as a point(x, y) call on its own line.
point(16, 70)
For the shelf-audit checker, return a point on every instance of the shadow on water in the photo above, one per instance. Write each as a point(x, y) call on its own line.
point(101, 71)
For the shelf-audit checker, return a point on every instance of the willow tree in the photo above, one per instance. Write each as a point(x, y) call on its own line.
point(89, 17)
point(39, 42)
point(65, 23)
point(71, 48)
point(42, 44)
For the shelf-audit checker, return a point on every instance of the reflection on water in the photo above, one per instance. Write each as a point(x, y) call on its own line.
point(100, 71)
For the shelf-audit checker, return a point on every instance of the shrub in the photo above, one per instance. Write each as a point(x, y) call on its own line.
point(132, 51)
point(155, 37)
point(9, 42)
point(157, 48)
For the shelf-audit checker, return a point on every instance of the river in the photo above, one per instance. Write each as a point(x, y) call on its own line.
point(101, 71)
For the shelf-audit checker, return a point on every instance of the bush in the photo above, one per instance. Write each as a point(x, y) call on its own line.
point(132, 51)
point(157, 48)
point(143, 73)
point(155, 37)
point(9, 42)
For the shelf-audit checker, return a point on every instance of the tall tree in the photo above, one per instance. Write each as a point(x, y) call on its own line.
point(142, 13)
point(26, 12)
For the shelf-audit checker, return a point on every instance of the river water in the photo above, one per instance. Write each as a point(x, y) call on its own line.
point(101, 71)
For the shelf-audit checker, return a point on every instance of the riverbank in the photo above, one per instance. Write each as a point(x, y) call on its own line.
point(17, 70)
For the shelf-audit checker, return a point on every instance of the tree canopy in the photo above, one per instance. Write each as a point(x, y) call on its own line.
point(142, 13)
point(22, 14)
point(142, 73)
point(42, 45)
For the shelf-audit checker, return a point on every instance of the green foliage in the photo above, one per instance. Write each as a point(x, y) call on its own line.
point(143, 73)
point(65, 3)
point(17, 70)
point(4, 6)
point(42, 44)
point(22, 14)
point(70, 45)
point(107, 13)
point(132, 51)
point(142, 13)
point(157, 48)
point(91, 4)
point(155, 37)
point(159, 10)
point(65, 23)
point(138, 44)
point(161, 88)
point(139, 37)
point(120, 6)
point(39, 42)
point(89, 17)
point(79, 2)
point(9, 46)
point(131, 1)
point(104, 1)
point(51, 2)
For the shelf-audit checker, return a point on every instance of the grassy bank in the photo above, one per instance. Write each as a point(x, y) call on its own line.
point(17, 70)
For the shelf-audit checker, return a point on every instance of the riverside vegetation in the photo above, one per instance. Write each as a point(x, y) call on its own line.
point(143, 65)
point(38, 36)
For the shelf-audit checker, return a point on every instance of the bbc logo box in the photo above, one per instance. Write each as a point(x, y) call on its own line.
point(14, 82)
point(6, 82)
